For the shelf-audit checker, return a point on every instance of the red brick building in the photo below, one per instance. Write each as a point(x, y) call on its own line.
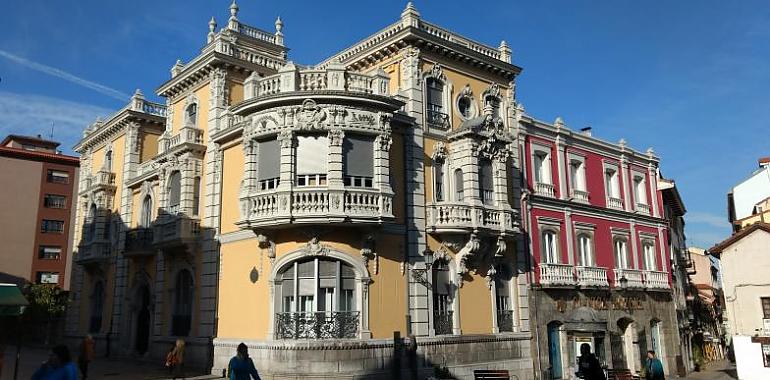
point(36, 197)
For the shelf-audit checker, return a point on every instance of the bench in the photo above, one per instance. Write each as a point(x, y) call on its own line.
point(620, 374)
point(491, 374)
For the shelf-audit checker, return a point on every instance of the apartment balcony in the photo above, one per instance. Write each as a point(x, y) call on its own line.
point(656, 280)
point(591, 276)
point(643, 208)
point(315, 205)
point(437, 119)
point(615, 203)
point(545, 189)
point(139, 242)
point(579, 196)
point(103, 180)
point(174, 231)
point(188, 138)
point(93, 252)
point(634, 279)
point(556, 275)
point(460, 217)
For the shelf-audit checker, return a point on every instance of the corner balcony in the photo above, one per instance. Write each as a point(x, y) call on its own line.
point(93, 252)
point(103, 180)
point(460, 217)
point(188, 138)
point(139, 242)
point(556, 275)
point(279, 208)
point(591, 276)
point(174, 231)
point(656, 280)
point(634, 279)
point(545, 189)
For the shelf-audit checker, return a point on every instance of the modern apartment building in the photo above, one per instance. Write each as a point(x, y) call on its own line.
point(38, 211)
point(598, 235)
point(318, 213)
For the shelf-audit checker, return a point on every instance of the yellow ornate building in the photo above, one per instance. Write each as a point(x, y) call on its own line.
point(329, 216)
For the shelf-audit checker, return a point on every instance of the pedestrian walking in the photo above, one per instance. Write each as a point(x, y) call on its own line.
point(241, 366)
point(589, 367)
point(175, 359)
point(58, 367)
point(87, 350)
point(653, 369)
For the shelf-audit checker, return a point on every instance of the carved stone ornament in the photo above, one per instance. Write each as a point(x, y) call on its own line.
point(286, 137)
point(466, 91)
point(493, 90)
point(384, 142)
point(490, 277)
point(368, 252)
point(315, 248)
point(469, 250)
point(335, 137)
point(439, 152)
point(311, 116)
point(436, 72)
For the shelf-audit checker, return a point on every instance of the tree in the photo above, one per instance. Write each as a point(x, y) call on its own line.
point(46, 303)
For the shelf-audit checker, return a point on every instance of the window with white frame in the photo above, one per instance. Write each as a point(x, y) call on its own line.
point(585, 249)
point(47, 277)
point(550, 247)
point(648, 250)
point(612, 182)
point(486, 182)
point(622, 260)
point(436, 113)
point(358, 160)
point(438, 180)
point(191, 114)
point(640, 193)
point(504, 304)
point(311, 160)
point(49, 252)
point(542, 167)
point(443, 295)
point(459, 185)
point(268, 163)
point(577, 175)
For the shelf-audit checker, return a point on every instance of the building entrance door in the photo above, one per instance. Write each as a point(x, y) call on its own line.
point(143, 321)
point(554, 350)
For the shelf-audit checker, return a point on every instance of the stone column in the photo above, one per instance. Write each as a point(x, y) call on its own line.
point(571, 258)
point(637, 261)
point(335, 173)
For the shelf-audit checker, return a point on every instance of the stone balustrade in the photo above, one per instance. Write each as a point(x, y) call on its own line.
point(92, 252)
point(188, 135)
point(545, 189)
point(316, 205)
point(447, 35)
point(459, 216)
point(580, 196)
point(634, 278)
point(174, 230)
point(556, 274)
point(103, 180)
point(615, 203)
point(256, 33)
point(591, 276)
point(291, 78)
point(656, 280)
point(642, 208)
point(139, 242)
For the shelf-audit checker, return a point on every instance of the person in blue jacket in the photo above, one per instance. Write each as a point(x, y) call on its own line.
point(58, 367)
point(241, 366)
point(653, 368)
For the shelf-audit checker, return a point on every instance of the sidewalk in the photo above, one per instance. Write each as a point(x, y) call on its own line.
point(720, 370)
point(101, 368)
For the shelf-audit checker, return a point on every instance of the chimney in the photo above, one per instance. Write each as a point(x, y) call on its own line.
point(764, 162)
point(585, 131)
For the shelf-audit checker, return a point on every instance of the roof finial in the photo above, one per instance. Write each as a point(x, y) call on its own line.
point(559, 122)
point(410, 16)
point(232, 23)
point(622, 143)
point(212, 27)
point(278, 31)
point(505, 52)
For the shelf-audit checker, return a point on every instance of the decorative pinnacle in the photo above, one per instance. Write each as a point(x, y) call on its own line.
point(559, 122)
point(650, 151)
point(622, 142)
point(278, 25)
point(212, 24)
point(233, 9)
point(503, 45)
point(138, 92)
point(410, 10)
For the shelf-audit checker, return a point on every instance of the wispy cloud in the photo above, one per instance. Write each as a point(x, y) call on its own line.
point(705, 239)
point(58, 73)
point(33, 114)
point(700, 217)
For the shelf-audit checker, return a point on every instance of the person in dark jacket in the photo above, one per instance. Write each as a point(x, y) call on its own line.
point(241, 366)
point(653, 369)
point(588, 365)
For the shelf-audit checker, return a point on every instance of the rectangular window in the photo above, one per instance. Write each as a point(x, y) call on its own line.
point(268, 164)
point(766, 307)
point(58, 176)
point(577, 175)
point(639, 191)
point(311, 180)
point(312, 157)
point(49, 252)
point(503, 303)
point(621, 254)
point(52, 226)
point(54, 201)
point(47, 277)
point(347, 300)
point(358, 160)
point(486, 181)
point(611, 183)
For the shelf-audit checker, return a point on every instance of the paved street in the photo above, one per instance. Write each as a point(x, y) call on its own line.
point(101, 368)
point(722, 370)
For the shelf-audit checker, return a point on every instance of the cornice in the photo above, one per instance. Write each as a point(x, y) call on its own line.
point(554, 204)
point(260, 103)
point(114, 126)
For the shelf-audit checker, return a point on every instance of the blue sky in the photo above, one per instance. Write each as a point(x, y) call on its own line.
point(688, 78)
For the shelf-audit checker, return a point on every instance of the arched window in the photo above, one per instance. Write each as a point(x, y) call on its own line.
point(91, 222)
point(108, 160)
point(504, 305)
point(97, 306)
point(434, 102)
point(183, 303)
point(315, 298)
point(443, 297)
point(458, 184)
point(648, 250)
point(174, 192)
point(585, 250)
point(191, 114)
point(486, 182)
point(550, 247)
point(146, 216)
point(438, 180)
point(196, 195)
point(621, 254)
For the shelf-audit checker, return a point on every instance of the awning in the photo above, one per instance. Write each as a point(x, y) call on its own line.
point(12, 302)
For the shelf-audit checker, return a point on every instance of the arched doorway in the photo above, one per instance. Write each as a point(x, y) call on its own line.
point(631, 348)
point(142, 338)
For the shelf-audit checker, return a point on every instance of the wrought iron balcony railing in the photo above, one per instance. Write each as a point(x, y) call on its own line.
point(437, 119)
point(317, 325)
point(505, 320)
point(443, 323)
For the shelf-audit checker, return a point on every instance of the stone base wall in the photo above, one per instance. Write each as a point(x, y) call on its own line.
point(382, 359)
